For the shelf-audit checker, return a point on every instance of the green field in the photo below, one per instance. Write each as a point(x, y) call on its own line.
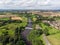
point(50, 30)
point(5, 19)
point(10, 31)
point(35, 37)
point(53, 34)
point(54, 39)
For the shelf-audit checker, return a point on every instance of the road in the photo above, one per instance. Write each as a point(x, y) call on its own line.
point(27, 30)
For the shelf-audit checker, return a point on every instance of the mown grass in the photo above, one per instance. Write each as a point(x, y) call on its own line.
point(54, 39)
point(0, 43)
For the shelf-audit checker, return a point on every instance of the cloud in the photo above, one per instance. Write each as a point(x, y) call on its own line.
point(31, 4)
point(43, 2)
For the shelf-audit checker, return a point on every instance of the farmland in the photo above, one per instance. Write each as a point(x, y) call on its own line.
point(28, 29)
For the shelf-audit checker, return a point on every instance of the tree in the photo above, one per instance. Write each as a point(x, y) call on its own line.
point(46, 31)
point(5, 38)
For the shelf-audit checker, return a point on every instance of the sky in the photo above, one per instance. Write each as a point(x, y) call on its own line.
point(29, 4)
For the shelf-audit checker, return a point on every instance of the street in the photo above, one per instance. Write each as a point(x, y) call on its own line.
point(27, 30)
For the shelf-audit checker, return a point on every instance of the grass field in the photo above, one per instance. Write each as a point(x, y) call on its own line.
point(54, 39)
point(10, 27)
point(8, 31)
point(50, 29)
point(5, 19)
point(54, 34)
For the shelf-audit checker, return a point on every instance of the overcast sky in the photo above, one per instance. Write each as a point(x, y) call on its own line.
point(29, 4)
